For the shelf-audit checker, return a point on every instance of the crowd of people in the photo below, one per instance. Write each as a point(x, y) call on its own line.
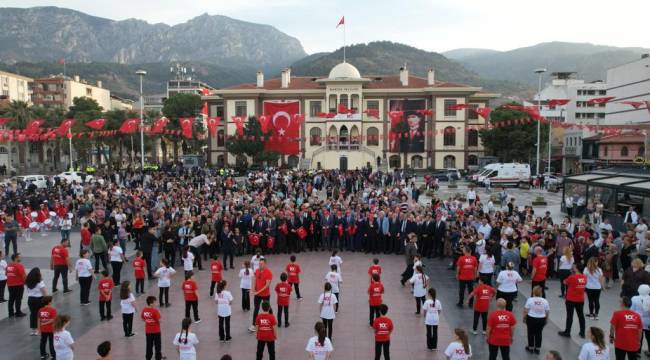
point(198, 218)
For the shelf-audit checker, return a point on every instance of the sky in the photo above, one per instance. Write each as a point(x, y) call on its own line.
point(433, 25)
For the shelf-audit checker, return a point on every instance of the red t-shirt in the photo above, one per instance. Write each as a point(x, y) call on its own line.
point(383, 327)
point(138, 267)
point(375, 291)
point(541, 266)
point(47, 314)
point(500, 322)
point(283, 290)
point(467, 266)
point(482, 296)
point(105, 285)
point(85, 236)
point(628, 326)
point(151, 318)
point(575, 291)
point(189, 290)
point(59, 255)
point(293, 272)
point(216, 267)
point(374, 269)
point(261, 277)
point(265, 323)
point(15, 274)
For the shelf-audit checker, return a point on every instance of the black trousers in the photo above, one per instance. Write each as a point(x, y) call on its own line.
point(105, 309)
point(228, 254)
point(34, 304)
point(535, 327)
point(579, 309)
point(329, 325)
point(296, 287)
point(147, 258)
point(374, 312)
point(127, 324)
point(540, 284)
point(84, 292)
point(3, 285)
point(45, 338)
point(483, 316)
point(285, 309)
point(139, 286)
point(563, 274)
point(246, 299)
point(194, 305)
point(60, 270)
point(385, 345)
point(494, 351)
point(170, 253)
point(197, 257)
point(419, 301)
point(462, 285)
point(15, 299)
point(432, 337)
point(11, 240)
point(260, 349)
point(117, 269)
point(224, 328)
point(257, 301)
point(101, 257)
point(163, 292)
point(338, 298)
point(593, 297)
point(153, 341)
point(508, 297)
point(622, 354)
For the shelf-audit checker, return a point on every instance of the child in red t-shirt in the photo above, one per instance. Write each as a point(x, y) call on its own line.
point(139, 264)
point(267, 331)
point(283, 291)
point(190, 289)
point(374, 269)
point(216, 268)
point(383, 326)
point(482, 295)
point(46, 316)
point(105, 287)
point(293, 271)
point(375, 292)
point(151, 317)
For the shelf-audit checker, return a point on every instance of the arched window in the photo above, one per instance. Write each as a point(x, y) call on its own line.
point(292, 161)
point(372, 136)
point(344, 135)
point(449, 136)
point(315, 136)
point(394, 162)
point(624, 151)
point(641, 151)
point(3, 150)
point(354, 135)
point(416, 162)
point(472, 160)
point(333, 135)
point(449, 162)
point(472, 138)
point(221, 141)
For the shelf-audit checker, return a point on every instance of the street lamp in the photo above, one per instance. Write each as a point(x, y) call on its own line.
point(539, 72)
point(141, 74)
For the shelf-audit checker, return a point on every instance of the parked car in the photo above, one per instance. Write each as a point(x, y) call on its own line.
point(553, 180)
point(39, 180)
point(446, 174)
point(77, 176)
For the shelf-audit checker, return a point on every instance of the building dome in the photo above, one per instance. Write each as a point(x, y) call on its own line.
point(344, 71)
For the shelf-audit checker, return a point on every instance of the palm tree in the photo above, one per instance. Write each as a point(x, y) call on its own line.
point(21, 113)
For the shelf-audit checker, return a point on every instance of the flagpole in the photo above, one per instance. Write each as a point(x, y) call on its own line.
point(344, 41)
point(70, 146)
point(63, 67)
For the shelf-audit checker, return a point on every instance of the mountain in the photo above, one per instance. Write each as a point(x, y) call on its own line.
point(385, 57)
point(41, 34)
point(458, 54)
point(588, 60)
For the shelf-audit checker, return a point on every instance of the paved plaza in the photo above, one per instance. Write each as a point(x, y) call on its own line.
point(353, 338)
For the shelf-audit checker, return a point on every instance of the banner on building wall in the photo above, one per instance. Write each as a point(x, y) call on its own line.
point(411, 140)
point(284, 130)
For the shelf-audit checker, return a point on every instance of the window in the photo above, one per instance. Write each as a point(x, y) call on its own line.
point(220, 138)
point(315, 136)
point(449, 162)
point(314, 108)
point(343, 100)
point(624, 151)
point(394, 162)
point(472, 138)
point(332, 103)
point(472, 160)
point(605, 150)
point(602, 92)
point(416, 161)
point(372, 105)
point(89, 92)
point(355, 102)
point(449, 103)
point(471, 114)
point(3, 150)
point(372, 136)
point(449, 136)
point(240, 108)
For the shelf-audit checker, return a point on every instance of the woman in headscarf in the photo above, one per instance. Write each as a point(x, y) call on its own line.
point(641, 305)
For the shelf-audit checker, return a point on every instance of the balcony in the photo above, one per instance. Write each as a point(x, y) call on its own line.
point(343, 147)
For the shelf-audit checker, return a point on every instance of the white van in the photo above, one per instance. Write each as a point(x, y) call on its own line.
point(484, 171)
point(39, 180)
point(507, 174)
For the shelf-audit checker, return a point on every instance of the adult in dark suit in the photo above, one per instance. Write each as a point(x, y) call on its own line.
point(394, 225)
point(327, 223)
point(590, 250)
point(439, 233)
point(337, 234)
point(294, 225)
point(427, 236)
point(146, 246)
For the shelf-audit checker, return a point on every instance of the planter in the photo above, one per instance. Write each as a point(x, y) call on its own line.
point(495, 200)
point(525, 186)
point(539, 201)
point(452, 186)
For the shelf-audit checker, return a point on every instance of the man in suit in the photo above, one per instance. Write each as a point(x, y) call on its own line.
point(349, 238)
point(326, 223)
point(294, 225)
point(383, 233)
point(427, 236)
point(439, 233)
point(338, 231)
point(394, 231)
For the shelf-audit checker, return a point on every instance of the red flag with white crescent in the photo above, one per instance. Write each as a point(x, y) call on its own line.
point(186, 127)
point(299, 118)
point(34, 126)
point(213, 123)
point(239, 123)
point(159, 125)
point(205, 109)
point(395, 117)
point(264, 123)
point(96, 124)
point(557, 102)
point(129, 126)
point(484, 112)
point(65, 127)
point(285, 127)
point(372, 112)
point(601, 100)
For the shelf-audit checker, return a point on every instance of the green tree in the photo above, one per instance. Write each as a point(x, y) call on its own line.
point(84, 109)
point(21, 113)
point(178, 106)
point(253, 148)
point(509, 141)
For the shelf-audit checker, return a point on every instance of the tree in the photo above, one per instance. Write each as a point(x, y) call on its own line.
point(84, 109)
point(509, 141)
point(178, 106)
point(251, 143)
point(21, 113)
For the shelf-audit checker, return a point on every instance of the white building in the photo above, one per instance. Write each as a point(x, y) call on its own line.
point(118, 103)
point(14, 87)
point(60, 91)
point(628, 82)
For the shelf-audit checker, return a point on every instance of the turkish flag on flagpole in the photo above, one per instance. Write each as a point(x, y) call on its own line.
point(61, 61)
point(65, 127)
point(213, 123)
point(341, 22)
point(186, 126)
point(204, 111)
point(96, 124)
point(129, 126)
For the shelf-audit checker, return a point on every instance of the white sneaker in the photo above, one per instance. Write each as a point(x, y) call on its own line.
point(252, 329)
point(484, 333)
point(474, 332)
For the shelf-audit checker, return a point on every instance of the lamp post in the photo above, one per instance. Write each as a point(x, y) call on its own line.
point(539, 73)
point(141, 74)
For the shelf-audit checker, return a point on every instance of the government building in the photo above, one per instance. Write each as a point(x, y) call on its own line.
point(350, 120)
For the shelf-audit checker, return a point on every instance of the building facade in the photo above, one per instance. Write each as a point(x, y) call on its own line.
point(447, 139)
point(14, 87)
point(628, 82)
point(60, 91)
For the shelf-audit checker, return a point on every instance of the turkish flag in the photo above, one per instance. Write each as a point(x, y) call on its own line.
point(601, 100)
point(341, 22)
point(159, 125)
point(285, 130)
point(213, 123)
point(533, 111)
point(264, 123)
point(513, 107)
point(634, 104)
point(342, 109)
point(65, 127)
point(555, 102)
point(34, 127)
point(239, 123)
point(96, 124)
point(186, 126)
point(395, 117)
point(204, 111)
point(484, 112)
point(129, 126)
point(372, 112)
point(205, 92)
point(457, 107)
point(61, 61)
point(4, 121)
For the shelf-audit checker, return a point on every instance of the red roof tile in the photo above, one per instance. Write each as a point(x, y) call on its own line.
point(623, 138)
